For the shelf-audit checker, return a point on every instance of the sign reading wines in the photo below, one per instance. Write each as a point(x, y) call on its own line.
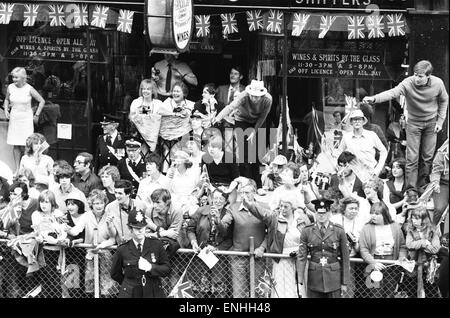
point(54, 47)
point(349, 64)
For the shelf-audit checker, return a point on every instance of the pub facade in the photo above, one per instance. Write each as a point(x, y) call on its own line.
point(312, 54)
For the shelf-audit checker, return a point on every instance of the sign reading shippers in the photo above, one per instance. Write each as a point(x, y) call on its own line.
point(349, 64)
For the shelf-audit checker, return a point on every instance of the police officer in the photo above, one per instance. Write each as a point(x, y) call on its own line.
point(111, 145)
point(139, 264)
point(132, 167)
point(326, 242)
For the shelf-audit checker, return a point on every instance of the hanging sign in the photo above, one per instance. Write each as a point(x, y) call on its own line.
point(326, 63)
point(170, 24)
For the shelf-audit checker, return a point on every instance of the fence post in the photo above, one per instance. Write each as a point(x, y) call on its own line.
point(420, 289)
point(96, 268)
point(252, 267)
point(63, 269)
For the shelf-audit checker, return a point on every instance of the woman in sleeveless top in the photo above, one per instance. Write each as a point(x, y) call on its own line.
point(18, 110)
point(395, 187)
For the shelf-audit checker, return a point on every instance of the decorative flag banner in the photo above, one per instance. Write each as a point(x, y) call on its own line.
point(125, 21)
point(81, 15)
point(274, 21)
point(56, 15)
point(202, 25)
point(299, 23)
point(396, 24)
point(30, 14)
point(255, 20)
point(325, 24)
point(99, 16)
point(356, 27)
point(375, 26)
point(229, 23)
point(6, 11)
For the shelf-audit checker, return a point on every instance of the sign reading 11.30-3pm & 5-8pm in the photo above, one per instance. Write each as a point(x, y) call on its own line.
point(350, 64)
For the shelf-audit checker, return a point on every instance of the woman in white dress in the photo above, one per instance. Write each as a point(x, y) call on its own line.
point(18, 110)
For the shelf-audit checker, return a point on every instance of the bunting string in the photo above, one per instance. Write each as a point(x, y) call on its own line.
point(270, 21)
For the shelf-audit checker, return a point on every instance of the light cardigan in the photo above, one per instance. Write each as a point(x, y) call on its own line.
point(367, 242)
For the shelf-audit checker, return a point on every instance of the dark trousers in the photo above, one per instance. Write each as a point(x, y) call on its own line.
point(316, 294)
point(249, 167)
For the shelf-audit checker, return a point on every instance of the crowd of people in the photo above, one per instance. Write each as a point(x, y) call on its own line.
point(130, 195)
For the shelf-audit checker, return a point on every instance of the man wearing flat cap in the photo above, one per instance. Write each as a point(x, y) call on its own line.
point(326, 242)
point(132, 167)
point(139, 264)
point(111, 145)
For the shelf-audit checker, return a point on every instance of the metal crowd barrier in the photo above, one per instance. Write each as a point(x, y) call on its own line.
point(68, 274)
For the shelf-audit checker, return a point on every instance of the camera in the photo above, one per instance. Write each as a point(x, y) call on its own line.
point(178, 109)
point(351, 238)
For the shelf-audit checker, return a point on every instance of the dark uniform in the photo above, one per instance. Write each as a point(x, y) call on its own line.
point(329, 266)
point(135, 282)
point(132, 171)
point(111, 155)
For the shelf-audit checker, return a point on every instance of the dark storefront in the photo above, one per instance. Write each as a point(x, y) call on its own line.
point(318, 72)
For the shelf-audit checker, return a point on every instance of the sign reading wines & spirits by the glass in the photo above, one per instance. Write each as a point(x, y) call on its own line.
point(328, 63)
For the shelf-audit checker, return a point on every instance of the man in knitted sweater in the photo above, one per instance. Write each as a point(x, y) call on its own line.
point(427, 102)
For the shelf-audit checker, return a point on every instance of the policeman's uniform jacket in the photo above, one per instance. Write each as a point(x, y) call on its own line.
point(329, 266)
point(124, 169)
point(104, 155)
point(135, 283)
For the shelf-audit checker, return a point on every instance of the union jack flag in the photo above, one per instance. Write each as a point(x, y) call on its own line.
point(299, 23)
point(355, 28)
point(183, 289)
point(99, 16)
point(229, 23)
point(30, 14)
point(202, 25)
point(375, 26)
point(255, 20)
point(56, 15)
point(81, 16)
point(325, 24)
point(6, 11)
point(396, 24)
point(125, 21)
point(274, 21)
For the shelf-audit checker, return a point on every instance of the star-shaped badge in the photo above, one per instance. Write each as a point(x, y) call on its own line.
point(139, 217)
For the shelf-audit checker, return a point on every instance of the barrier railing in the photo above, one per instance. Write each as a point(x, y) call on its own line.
point(69, 274)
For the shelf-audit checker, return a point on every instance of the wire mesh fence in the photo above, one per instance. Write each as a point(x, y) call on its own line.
point(71, 272)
